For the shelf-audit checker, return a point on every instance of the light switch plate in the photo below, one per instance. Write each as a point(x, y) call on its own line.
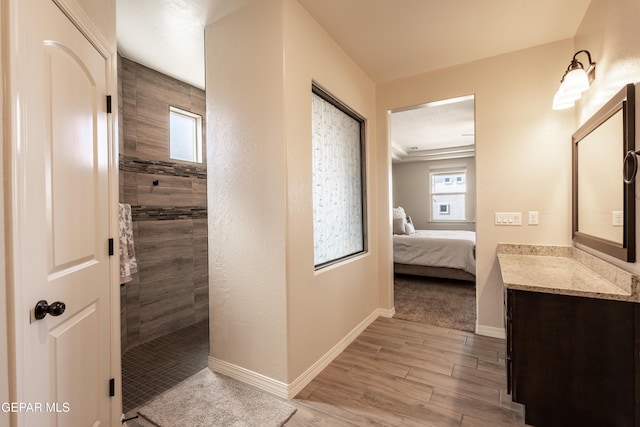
point(533, 217)
point(508, 218)
point(617, 218)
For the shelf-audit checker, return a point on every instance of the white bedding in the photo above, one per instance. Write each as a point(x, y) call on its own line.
point(437, 248)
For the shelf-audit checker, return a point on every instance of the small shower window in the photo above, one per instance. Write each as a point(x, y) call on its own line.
point(185, 135)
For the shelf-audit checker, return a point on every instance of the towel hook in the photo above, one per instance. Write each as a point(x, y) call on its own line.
point(155, 183)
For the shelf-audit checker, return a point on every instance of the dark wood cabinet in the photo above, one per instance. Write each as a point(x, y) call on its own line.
point(573, 361)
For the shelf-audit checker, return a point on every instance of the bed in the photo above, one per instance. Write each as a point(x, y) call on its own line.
point(437, 253)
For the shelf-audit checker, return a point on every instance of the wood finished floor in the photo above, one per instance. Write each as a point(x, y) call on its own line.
point(400, 373)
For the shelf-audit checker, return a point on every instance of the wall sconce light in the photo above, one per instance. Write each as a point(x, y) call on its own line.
point(574, 81)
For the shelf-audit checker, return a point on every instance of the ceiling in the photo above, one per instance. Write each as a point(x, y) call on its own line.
point(388, 39)
point(437, 130)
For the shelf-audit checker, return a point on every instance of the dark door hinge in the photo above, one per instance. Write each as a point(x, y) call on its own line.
point(112, 387)
point(108, 103)
point(110, 247)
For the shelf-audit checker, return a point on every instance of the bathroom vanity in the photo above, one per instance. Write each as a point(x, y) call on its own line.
point(573, 348)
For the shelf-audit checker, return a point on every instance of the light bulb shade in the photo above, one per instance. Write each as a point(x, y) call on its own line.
point(575, 81)
point(560, 102)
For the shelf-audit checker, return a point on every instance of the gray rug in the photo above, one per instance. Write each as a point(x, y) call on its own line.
point(208, 399)
point(441, 302)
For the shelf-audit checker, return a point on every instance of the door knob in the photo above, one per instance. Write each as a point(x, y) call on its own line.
point(43, 308)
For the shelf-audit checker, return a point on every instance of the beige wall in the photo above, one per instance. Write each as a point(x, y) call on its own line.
point(523, 151)
point(271, 312)
point(102, 14)
point(610, 32)
point(247, 189)
point(412, 191)
point(323, 306)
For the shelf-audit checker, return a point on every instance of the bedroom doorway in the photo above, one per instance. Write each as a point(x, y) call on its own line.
point(434, 199)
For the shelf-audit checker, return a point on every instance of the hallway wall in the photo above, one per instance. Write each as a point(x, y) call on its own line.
point(170, 290)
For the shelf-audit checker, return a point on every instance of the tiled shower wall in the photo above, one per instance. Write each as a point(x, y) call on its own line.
point(170, 290)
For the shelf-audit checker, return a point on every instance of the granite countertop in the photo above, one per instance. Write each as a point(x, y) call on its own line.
point(564, 270)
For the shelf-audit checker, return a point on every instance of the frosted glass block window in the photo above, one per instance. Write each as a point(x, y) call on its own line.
point(339, 218)
point(449, 196)
point(185, 135)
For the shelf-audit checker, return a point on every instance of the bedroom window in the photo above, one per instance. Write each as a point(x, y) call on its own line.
point(185, 135)
point(448, 195)
point(338, 176)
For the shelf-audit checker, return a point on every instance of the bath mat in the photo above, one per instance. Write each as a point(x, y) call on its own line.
point(208, 399)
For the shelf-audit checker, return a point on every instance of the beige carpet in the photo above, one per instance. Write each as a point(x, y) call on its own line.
point(440, 302)
point(208, 399)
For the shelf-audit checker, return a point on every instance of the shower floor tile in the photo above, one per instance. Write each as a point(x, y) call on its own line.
point(154, 367)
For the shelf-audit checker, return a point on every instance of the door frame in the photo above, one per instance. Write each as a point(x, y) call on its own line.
point(12, 327)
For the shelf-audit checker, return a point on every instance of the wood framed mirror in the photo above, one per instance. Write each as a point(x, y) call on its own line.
point(603, 204)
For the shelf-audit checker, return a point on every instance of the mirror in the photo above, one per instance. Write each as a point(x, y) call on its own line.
point(603, 204)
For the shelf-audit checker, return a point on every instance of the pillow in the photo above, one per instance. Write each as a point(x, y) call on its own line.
point(409, 228)
point(398, 212)
point(399, 225)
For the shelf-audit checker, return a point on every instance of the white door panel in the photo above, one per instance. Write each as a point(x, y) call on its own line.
point(61, 221)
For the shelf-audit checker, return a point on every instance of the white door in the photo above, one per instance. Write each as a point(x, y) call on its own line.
point(60, 218)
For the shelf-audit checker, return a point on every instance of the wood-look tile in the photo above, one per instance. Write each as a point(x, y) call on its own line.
point(150, 83)
point(491, 415)
point(408, 407)
point(199, 187)
point(363, 347)
point(389, 384)
point(350, 409)
point(200, 260)
point(334, 377)
point(156, 249)
point(162, 268)
point(165, 249)
point(200, 279)
point(200, 244)
point(198, 100)
point(445, 382)
point(149, 149)
point(164, 196)
point(201, 313)
point(201, 295)
point(461, 348)
point(166, 322)
point(435, 364)
point(495, 367)
point(312, 413)
point(374, 364)
point(164, 230)
point(386, 340)
point(487, 343)
point(422, 397)
point(492, 379)
point(307, 416)
point(165, 289)
point(439, 352)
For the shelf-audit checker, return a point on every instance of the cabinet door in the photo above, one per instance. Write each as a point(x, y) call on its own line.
point(508, 326)
point(573, 359)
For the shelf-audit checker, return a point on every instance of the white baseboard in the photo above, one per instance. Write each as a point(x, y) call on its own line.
point(490, 331)
point(288, 391)
point(247, 376)
point(387, 312)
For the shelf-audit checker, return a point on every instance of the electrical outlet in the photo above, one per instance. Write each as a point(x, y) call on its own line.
point(533, 217)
